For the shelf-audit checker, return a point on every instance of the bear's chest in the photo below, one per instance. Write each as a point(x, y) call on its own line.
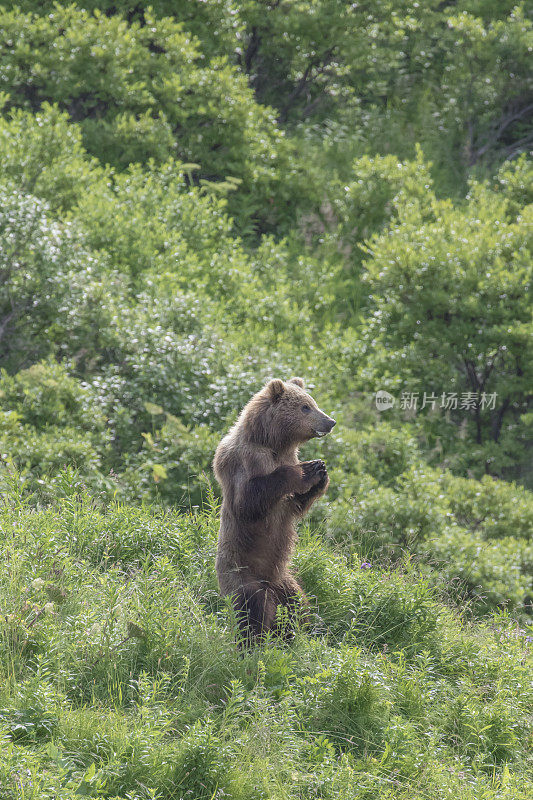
point(284, 507)
point(287, 458)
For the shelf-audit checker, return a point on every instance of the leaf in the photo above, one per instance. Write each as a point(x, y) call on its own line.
point(135, 631)
point(153, 409)
point(505, 776)
point(90, 772)
point(53, 751)
point(159, 472)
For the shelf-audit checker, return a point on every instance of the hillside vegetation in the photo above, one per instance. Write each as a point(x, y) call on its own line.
point(195, 197)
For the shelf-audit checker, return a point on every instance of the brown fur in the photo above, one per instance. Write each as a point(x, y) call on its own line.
point(265, 490)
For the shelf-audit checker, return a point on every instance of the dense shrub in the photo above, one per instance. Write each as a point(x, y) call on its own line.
point(494, 574)
point(143, 91)
point(49, 420)
point(437, 323)
point(492, 508)
point(43, 154)
point(38, 256)
point(174, 464)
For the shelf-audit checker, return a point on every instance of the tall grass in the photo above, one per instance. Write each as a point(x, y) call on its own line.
point(120, 677)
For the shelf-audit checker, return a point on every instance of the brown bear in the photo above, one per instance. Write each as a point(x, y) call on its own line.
point(265, 490)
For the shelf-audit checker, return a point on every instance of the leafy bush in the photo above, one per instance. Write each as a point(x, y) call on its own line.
point(49, 420)
point(494, 509)
point(38, 257)
point(141, 92)
point(437, 324)
point(43, 154)
point(493, 574)
point(149, 219)
point(173, 465)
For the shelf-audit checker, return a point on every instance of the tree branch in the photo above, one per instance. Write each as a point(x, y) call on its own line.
point(497, 132)
point(306, 79)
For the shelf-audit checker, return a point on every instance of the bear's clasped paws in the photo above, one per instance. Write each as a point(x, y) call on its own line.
point(314, 472)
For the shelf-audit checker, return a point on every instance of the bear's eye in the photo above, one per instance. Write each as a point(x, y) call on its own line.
point(306, 409)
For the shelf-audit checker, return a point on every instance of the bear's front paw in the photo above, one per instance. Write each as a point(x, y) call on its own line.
point(315, 472)
point(323, 483)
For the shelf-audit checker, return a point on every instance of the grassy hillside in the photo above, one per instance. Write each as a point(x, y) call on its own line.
point(121, 677)
point(196, 197)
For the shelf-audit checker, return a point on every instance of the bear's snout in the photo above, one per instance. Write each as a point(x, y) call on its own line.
point(325, 425)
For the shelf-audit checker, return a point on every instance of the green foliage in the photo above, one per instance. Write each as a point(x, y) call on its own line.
point(40, 257)
point(216, 24)
point(44, 155)
point(129, 682)
point(151, 220)
point(174, 464)
point(493, 508)
point(141, 92)
point(515, 182)
point(381, 190)
point(49, 420)
point(493, 574)
point(45, 395)
point(455, 72)
point(451, 312)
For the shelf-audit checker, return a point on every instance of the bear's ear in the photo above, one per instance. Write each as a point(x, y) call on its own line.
point(298, 381)
point(275, 389)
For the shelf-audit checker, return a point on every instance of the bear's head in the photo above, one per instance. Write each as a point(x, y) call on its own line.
point(284, 414)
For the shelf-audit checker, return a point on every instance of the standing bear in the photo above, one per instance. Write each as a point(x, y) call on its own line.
point(265, 490)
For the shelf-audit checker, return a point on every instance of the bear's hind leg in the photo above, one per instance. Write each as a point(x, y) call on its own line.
point(255, 605)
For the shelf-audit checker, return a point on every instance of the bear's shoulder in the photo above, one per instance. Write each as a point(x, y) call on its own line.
point(235, 454)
